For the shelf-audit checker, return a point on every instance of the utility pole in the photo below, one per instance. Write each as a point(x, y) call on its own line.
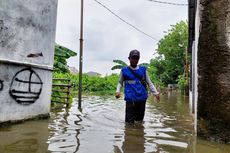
point(80, 59)
point(186, 63)
point(186, 71)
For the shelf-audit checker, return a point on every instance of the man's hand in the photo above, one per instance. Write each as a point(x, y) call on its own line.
point(117, 94)
point(157, 97)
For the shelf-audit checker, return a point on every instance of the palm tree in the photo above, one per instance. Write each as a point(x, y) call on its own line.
point(121, 64)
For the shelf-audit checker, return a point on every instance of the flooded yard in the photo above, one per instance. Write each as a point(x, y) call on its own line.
point(100, 128)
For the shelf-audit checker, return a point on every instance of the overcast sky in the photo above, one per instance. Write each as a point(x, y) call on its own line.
point(106, 37)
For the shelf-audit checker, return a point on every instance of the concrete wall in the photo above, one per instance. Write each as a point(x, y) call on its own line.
point(195, 71)
point(192, 83)
point(213, 70)
point(27, 27)
point(27, 34)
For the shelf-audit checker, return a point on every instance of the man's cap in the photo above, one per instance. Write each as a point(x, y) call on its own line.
point(134, 53)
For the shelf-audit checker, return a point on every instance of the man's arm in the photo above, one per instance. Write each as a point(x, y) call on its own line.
point(152, 88)
point(119, 86)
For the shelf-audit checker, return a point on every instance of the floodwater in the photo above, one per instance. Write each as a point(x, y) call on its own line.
point(100, 128)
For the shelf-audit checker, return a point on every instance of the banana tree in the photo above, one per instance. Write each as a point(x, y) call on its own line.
point(61, 54)
point(121, 64)
point(144, 64)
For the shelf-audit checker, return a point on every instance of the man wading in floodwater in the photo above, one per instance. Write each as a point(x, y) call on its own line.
point(135, 79)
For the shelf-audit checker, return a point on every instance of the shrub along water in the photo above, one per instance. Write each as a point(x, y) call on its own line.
point(91, 84)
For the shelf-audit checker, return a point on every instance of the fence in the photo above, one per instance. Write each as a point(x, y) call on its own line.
point(61, 91)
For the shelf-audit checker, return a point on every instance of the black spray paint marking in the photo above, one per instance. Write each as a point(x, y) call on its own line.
point(31, 55)
point(26, 86)
point(1, 85)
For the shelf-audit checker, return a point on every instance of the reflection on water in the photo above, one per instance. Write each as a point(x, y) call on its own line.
point(134, 140)
point(27, 145)
point(28, 137)
point(100, 128)
point(64, 130)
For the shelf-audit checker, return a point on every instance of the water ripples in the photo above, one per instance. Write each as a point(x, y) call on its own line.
point(101, 128)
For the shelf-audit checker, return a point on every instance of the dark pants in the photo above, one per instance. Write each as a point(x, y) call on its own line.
point(135, 111)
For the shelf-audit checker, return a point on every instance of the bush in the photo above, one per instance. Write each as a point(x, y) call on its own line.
point(91, 84)
point(183, 84)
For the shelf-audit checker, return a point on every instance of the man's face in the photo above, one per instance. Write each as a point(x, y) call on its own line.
point(134, 60)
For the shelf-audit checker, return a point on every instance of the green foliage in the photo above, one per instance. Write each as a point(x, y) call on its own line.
point(144, 64)
point(92, 84)
point(121, 64)
point(182, 82)
point(59, 93)
point(171, 49)
point(61, 54)
point(117, 67)
point(156, 69)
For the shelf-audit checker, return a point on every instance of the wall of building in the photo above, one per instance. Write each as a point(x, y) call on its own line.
point(27, 35)
point(195, 72)
point(213, 70)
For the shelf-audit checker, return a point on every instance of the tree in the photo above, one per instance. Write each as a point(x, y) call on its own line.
point(157, 69)
point(171, 49)
point(121, 64)
point(61, 54)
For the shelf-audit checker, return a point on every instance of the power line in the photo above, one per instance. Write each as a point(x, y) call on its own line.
point(123, 20)
point(169, 3)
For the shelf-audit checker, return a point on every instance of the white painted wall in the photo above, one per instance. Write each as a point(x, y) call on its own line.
point(197, 32)
point(191, 93)
point(27, 35)
point(28, 27)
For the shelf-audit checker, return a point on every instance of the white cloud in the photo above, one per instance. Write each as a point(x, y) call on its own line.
point(106, 37)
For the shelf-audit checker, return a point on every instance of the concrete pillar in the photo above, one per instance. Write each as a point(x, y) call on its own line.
point(27, 35)
point(213, 67)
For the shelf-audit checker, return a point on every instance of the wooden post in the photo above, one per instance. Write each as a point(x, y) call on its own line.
point(68, 93)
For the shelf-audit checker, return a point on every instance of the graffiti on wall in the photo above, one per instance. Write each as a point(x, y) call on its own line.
point(26, 86)
point(1, 85)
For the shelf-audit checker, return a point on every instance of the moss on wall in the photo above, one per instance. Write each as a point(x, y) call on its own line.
point(214, 71)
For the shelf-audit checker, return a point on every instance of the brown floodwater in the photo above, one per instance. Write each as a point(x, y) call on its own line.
point(100, 128)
